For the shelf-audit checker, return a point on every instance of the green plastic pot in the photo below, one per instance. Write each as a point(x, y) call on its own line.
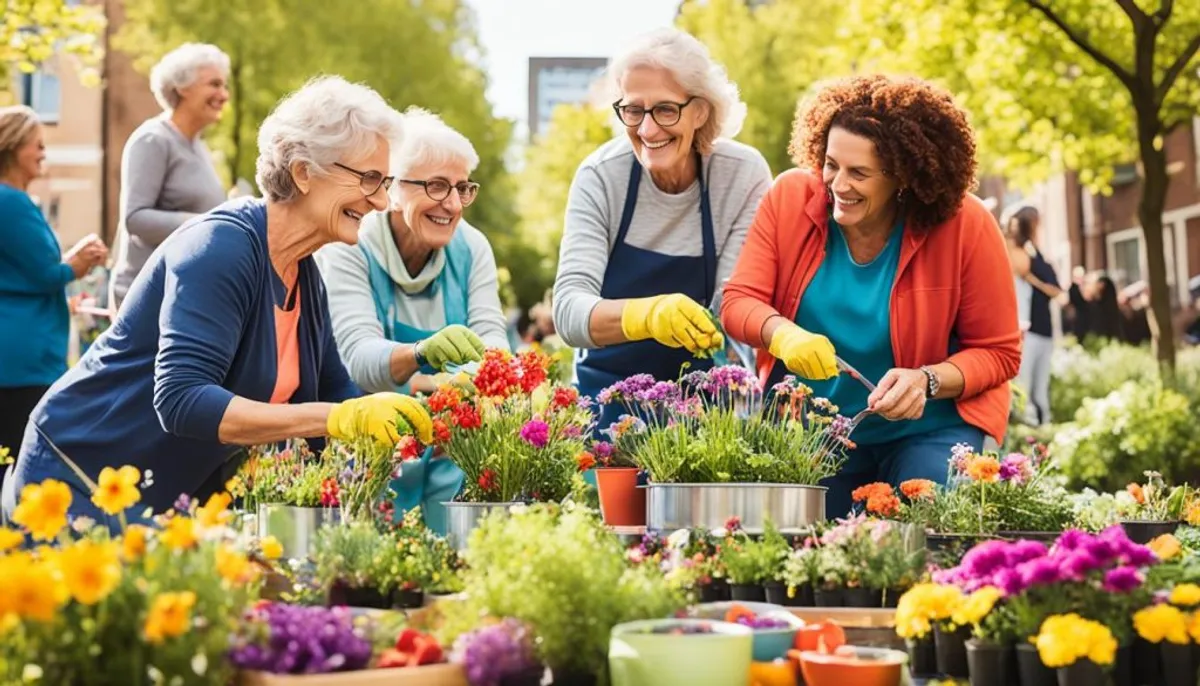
point(637, 657)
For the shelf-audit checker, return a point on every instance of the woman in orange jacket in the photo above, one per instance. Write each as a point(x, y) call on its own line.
point(884, 257)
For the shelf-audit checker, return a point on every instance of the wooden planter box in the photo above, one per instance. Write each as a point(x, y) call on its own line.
point(432, 675)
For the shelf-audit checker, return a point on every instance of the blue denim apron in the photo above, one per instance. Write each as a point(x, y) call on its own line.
point(425, 482)
point(636, 273)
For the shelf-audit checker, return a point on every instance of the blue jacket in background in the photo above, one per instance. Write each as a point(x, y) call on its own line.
point(196, 328)
point(33, 302)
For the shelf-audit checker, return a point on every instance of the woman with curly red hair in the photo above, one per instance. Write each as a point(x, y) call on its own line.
point(886, 258)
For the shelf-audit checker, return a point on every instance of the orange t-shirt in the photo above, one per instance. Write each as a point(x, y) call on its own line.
point(287, 347)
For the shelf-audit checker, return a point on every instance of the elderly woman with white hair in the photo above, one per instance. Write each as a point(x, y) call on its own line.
point(642, 260)
point(226, 339)
point(419, 292)
point(167, 174)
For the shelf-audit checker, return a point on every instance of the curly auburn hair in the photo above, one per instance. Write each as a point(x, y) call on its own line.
point(919, 132)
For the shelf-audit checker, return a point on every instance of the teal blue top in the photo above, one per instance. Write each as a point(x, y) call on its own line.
point(850, 304)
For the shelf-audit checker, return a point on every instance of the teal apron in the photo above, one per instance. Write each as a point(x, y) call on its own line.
point(426, 482)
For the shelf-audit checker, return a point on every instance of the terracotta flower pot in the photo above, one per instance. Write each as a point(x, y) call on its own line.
point(622, 503)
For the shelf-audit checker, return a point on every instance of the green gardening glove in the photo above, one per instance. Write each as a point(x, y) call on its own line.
point(453, 345)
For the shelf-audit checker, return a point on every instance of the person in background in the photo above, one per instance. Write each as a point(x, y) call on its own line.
point(874, 250)
point(1080, 310)
point(1038, 347)
point(656, 218)
point(419, 292)
point(225, 340)
point(1105, 319)
point(34, 274)
point(1191, 333)
point(167, 173)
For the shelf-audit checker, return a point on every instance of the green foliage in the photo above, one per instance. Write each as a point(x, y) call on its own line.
point(1140, 426)
point(749, 561)
point(1077, 374)
point(564, 574)
point(62, 28)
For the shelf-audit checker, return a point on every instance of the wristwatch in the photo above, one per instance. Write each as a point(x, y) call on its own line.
point(419, 354)
point(933, 384)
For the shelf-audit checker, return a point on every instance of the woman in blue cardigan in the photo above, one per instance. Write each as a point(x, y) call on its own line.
point(33, 274)
point(224, 339)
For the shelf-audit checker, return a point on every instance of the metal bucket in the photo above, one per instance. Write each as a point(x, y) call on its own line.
point(463, 518)
point(295, 527)
point(791, 508)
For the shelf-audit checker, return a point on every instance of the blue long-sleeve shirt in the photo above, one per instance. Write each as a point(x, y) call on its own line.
point(33, 304)
point(196, 329)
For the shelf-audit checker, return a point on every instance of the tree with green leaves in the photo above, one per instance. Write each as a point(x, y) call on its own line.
point(33, 31)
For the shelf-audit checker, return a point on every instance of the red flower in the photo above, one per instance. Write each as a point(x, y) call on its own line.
point(497, 374)
point(408, 448)
point(565, 397)
point(329, 493)
point(445, 398)
point(733, 524)
point(441, 432)
point(585, 460)
point(487, 480)
point(465, 416)
point(533, 370)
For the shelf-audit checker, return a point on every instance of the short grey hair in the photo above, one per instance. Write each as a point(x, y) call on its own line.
point(430, 141)
point(691, 65)
point(326, 120)
point(17, 122)
point(177, 69)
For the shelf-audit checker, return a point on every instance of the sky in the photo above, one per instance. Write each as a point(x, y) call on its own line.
point(512, 31)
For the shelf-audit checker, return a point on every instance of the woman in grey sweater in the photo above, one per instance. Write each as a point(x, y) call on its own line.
point(635, 289)
point(167, 174)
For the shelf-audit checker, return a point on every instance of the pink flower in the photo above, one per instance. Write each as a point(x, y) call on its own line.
point(1016, 468)
point(536, 433)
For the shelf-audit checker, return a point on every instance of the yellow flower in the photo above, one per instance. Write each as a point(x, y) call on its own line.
point(133, 543)
point(179, 533)
point(1194, 626)
point(272, 549)
point(976, 606)
point(1193, 513)
point(91, 570)
point(233, 566)
point(10, 539)
point(117, 489)
point(170, 615)
point(31, 588)
point(1064, 639)
point(1165, 547)
point(923, 604)
point(43, 509)
point(214, 512)
point(235, 486)
point(1185, 595)
point(1159, 622)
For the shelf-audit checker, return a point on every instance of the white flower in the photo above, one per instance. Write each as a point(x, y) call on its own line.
point(82, 525)
point(679, 539)
point(200, 664)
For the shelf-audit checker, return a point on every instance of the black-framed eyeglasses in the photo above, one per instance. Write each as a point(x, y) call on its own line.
point(369, 181)
point(663, 114)
point(439, 189)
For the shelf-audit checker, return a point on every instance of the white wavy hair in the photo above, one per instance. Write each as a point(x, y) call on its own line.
point(326, 120)
point(691, 65)
point(429, 141)
point(177, 69)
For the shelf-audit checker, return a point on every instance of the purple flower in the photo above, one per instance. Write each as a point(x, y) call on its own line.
point(1138, 555)
point(1041, 571)
point(572, 431)
point(1016, 468)
point(984, 559)
point(1024, 550)
point(1071, 539)
point(287, 639)
point(1100, 549)
point(491, 654)
point(536, 433)
point(602, 449)
point(1078, 564)
point(1122, 580)
point(584, 402)
point(959, 454)
point(839, 427)
point(661, 391)
point(732, 377)
point(183, 503)
point(1008, 581)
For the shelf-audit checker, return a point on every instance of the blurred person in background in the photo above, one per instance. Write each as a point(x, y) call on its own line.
point(167, 173)
point(34, 274)
point(1106, 322)
point(1031, 267)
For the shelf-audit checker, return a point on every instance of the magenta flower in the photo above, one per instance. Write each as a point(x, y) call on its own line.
point(984, 559)
point(1040, 571)
point(1122, 580)
point(1071, 539)
point(602, 450)
point(1016, 468)
point(536, 433)
point(1023, 551)
point(1079, 564)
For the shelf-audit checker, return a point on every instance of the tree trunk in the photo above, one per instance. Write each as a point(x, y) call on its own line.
point(236, 93)
point(1150, 211)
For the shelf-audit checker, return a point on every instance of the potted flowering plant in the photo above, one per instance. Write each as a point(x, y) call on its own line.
point(716, 445)
point(1166, 632)
point(622, 503)
point(751, 564)
point(1080, 649)
point(1155, 509)
point(156, 602)
point(500, 654)
point(800, 572)
point(516, 436)
point(919, 614)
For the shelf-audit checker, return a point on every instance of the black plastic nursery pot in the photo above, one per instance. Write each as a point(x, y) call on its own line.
point(777, 593)
point(829, 597)
point(715, 591)
point(860, 596)
point(1178, 667)
point(952, 652)
point(1142, 531)
point(990, 664)
point(1030, 669)
point(922, 656)
point(575, 679)
point(408, 598)
point(802, 596)
point(1082, 673)
point(749, 593)
point(530, 677)
point(1147, 661)
point(341, 593)
point(891, 596)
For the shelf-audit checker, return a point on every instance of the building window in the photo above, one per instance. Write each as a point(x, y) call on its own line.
point(42, 91)
point(1127, 259)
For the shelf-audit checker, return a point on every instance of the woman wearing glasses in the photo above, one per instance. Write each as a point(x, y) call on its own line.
point(225, 340)
point(656, 218)
point(419, 292)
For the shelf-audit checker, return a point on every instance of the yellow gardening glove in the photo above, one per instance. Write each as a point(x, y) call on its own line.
point(375, 416)
point(674, 320)
point(808, 354)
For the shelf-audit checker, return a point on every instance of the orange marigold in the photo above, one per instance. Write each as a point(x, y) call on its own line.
point(983, 468)
point(1135, 490)
point(917, 489)
point(872, 490)
point(883, 505)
